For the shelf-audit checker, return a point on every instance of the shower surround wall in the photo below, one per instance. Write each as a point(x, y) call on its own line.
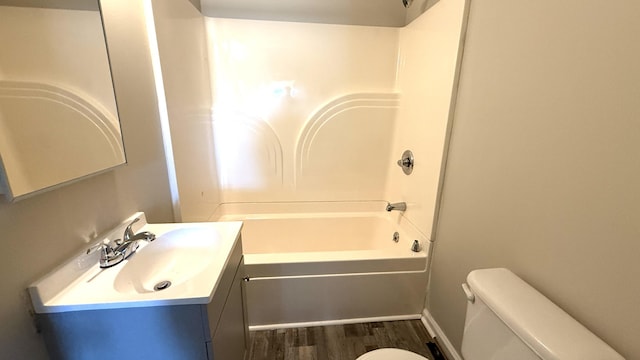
point(302, 112)
point(428, 86)
point(308, 112)
point(182, 47)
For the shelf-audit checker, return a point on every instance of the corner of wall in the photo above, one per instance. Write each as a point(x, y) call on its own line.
point(439, 336)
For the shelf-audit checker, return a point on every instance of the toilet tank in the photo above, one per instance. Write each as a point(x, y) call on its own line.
point(507, 319)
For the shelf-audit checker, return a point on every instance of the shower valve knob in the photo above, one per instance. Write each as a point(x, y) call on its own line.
point(406, 162)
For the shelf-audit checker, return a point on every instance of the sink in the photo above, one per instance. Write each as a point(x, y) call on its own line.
point(182, 266)
point(186, 286)
point(169, 261)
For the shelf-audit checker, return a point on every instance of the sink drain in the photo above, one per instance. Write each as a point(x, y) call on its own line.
point(162, 285)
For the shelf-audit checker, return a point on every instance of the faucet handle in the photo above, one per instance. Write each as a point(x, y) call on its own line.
point(128, 232)
point(103, 245)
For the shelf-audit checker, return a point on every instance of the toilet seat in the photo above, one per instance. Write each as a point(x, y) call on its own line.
point(391, 354)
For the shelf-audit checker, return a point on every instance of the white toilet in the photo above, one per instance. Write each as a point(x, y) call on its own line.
point(391, 354)
point(507, 319)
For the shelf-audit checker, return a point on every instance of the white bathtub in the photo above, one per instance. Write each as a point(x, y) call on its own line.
point(311, 268)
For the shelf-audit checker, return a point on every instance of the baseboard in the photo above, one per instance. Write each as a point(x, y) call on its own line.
point(334, 322)
point(434, 330)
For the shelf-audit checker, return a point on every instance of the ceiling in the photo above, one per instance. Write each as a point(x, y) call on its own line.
point(352, 12)
point(54, 4)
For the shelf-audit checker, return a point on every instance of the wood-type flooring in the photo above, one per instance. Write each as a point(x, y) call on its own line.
point(338, 342)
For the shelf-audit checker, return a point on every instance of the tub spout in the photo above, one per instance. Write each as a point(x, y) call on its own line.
point(400, 206)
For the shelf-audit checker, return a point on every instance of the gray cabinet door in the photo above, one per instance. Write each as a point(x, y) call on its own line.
point(229, 338)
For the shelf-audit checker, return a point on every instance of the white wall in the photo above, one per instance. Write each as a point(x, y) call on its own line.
point(310, 112)
point(182, 46)
point(417, 8)
point(302, 112)
point(40, 232)
point(429, 50)
point(543, 172)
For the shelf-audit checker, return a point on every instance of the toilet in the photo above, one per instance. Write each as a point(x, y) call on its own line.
point(507, 319)
point(395, 354)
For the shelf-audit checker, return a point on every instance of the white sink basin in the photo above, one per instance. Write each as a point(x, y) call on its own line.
point(176, 257)
point(191, 256)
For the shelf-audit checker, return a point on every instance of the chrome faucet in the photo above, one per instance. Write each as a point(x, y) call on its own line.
point(125, 247)
point(129, 235)
point(108, 257)
point(400, 206)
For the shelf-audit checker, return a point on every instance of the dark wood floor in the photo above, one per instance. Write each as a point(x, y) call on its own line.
point(339, 342)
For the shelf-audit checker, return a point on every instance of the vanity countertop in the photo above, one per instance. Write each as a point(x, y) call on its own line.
point(190, 255)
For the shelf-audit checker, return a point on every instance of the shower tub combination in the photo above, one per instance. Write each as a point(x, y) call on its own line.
point(328, 263)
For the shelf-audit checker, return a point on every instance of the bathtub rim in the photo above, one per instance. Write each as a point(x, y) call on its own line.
point(396, 257)
point(254, 268)
point(315, 209)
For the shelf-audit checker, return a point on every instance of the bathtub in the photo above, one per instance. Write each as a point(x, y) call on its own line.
point(321, 264)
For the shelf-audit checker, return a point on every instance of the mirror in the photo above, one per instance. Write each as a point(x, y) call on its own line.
point(58, 115)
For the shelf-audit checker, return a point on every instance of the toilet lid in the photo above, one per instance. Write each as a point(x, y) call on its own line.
point(391, 354)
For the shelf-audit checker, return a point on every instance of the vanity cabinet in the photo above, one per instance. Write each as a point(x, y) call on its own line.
point(217, 330)
point(226, 314)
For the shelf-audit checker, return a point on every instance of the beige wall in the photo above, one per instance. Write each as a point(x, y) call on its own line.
point(41, 232)
point(543, 168)
point(196, 4)
point(182, 46)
